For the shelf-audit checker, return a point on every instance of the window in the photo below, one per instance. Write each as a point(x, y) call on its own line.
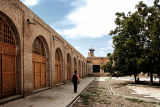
point(6, 34)
point(96, 68)
point(38, 47)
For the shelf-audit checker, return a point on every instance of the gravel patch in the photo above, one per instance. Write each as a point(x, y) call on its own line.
point(114, 93)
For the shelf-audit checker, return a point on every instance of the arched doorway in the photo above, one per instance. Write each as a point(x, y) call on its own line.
point(38, 63)
point(58, 65)
point(82, 69)
point(75, 64)
point(68, 67)
point(79, 68)
point(7, 58)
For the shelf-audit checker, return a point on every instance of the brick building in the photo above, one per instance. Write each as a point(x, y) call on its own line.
point(96, 63)
point(32, 55)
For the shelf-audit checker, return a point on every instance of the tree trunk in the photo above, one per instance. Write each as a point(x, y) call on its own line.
point(135, 78)
point(151, 77)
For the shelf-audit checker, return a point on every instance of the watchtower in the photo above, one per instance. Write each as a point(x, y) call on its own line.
point(91, 52)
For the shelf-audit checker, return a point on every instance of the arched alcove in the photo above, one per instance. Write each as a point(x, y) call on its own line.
point(10, 57)
point(39, 63)
point(58, 65)
point(68, 67)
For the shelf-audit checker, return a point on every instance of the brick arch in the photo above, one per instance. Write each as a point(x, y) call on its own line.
point(46, 46)
point(13, 27)
point(58, 65)
point(40, 62)
point(69, 67)
point(10, 56)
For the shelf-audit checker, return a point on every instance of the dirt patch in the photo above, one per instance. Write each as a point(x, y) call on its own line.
point(99, 95)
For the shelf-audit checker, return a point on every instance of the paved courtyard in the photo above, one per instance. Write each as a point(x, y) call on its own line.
point(61, 96)
point(57, 97)
point(147, 91)
point(119, 92)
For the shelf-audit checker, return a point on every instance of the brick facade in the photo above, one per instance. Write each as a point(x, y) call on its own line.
point(95, 61)
point(17, 14)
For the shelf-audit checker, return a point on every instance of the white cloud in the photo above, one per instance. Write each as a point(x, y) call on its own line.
point(109, 45)
point(78, 3)
point(104, 50)
point(100, 53)
point(60, 0)
point(77, 47)
point(109, 48)
point(30, 2)
point(95, 18)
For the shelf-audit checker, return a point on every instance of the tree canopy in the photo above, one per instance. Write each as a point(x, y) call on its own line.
point(136, 41)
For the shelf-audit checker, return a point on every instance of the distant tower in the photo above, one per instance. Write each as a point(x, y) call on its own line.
point(91, 52)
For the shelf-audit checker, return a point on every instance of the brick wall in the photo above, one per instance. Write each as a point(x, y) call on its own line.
point(18, 14)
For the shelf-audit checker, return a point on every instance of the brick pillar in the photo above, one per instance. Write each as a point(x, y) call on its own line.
point(28, 75)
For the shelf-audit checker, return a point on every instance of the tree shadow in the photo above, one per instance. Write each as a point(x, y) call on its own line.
point(156, 83)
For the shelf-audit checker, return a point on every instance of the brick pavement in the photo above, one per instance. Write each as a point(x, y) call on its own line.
point(57, 97)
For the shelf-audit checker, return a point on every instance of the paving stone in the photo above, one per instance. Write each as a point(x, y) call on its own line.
point(57, 97)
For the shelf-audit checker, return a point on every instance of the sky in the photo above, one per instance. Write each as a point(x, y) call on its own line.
point(83, 23)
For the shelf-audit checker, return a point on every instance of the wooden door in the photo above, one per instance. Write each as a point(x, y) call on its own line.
point(58, 66)
point(7, 59)
point(43, 74)
point(68, 67)
point(39, 71)
point(79, 69)
point(8, 74)
point(58, 72)
point(37, 75)
point(0, 73)
point(8, 67)
point(68, 72)
point(75, 65)
point(39, 64)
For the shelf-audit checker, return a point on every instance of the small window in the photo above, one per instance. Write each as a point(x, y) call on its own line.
point(96, 68)
point(6, 34)
point(38, 47)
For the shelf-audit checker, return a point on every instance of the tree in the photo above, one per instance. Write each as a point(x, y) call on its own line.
point(153, 37)
point(108, 54)
point(127, 43)
point(137, 41)
point(109, 67)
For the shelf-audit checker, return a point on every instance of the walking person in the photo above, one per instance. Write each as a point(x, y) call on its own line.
point(75, 80)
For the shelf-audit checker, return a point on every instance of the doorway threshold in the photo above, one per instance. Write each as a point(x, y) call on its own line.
point(59, 84)
point(41, 89)
point(10, 98)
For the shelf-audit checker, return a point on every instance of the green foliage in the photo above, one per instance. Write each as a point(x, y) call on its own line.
point(137, 41)
point(85, 98)
point(108, 54)
point(141, 101)
point(109, 67)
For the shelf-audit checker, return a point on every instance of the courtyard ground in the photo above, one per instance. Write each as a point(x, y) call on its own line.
point(59, 96)
point(102, 92)
point(117, 92)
